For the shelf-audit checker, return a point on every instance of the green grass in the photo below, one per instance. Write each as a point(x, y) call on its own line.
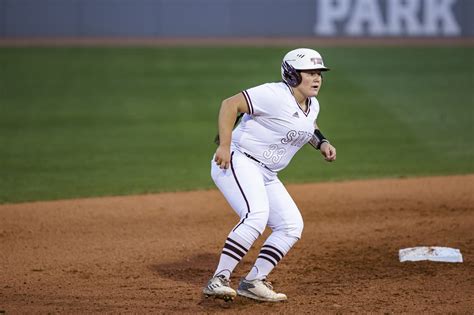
point(78, 122)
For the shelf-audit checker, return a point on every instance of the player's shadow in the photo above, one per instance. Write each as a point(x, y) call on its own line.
point(194, 269)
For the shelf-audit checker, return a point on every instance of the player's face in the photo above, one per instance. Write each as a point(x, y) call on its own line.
point(311, 82)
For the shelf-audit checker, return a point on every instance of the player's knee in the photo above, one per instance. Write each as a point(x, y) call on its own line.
point(286, 237)
point(256, 225)
point(295, 228)
point(258, 220)
point(261, 224)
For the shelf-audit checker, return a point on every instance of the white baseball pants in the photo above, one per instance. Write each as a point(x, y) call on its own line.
point(257, 196)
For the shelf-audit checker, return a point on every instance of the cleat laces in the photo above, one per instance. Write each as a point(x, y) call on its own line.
point(268, 284)
point(224, 281)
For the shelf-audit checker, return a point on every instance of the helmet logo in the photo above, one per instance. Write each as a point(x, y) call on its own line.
point(317, 61)
point(300, 55)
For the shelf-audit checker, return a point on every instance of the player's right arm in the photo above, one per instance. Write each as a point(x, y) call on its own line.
point(228, 112)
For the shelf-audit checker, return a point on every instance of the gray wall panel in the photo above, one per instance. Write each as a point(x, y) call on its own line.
point(2, 18)
point(273, 17)
point(119, 18)
point(41, 17)
point(466, 14)
point(241, 18)
point(195, 18)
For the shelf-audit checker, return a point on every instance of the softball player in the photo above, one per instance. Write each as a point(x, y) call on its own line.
point(278, 119)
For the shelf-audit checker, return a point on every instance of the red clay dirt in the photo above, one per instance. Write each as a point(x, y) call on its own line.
point(154, 253)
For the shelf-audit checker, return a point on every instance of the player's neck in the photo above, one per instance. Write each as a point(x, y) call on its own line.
point(300, 98)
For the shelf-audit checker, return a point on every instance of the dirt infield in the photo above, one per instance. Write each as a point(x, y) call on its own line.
point(154, 253)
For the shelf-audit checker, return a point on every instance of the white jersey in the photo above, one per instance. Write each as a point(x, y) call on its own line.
point(276, 126)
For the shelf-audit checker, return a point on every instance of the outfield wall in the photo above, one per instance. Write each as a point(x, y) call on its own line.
point(236, 18)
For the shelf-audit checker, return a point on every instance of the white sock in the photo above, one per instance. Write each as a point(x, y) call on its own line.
point(275, 248)
point(236, 246)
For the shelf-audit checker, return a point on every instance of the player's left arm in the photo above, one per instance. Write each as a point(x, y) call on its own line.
point(319, 142)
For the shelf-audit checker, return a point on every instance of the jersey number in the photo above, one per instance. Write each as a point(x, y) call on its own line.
point(274, 153)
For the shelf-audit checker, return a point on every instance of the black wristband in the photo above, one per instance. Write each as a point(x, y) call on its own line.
point(321, 143)
point(319, 134)
point(320, 137)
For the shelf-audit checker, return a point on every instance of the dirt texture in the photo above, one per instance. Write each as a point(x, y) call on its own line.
point(154, 253)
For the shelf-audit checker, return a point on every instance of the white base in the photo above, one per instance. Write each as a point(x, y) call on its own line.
point(433, 253)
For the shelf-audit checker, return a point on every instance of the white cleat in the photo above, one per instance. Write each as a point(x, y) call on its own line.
point(260, 290)
point(219, 288)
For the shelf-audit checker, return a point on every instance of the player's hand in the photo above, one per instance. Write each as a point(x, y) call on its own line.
point(222, 157)
point(328, 151)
